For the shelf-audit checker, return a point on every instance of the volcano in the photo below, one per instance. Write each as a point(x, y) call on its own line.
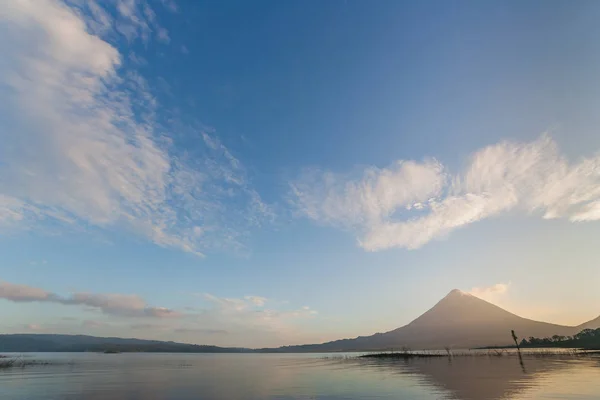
point(460, 321)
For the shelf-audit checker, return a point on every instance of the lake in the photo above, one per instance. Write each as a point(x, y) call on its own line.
point(91, 376)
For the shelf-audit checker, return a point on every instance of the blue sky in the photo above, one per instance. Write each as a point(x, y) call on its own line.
point(271, 173)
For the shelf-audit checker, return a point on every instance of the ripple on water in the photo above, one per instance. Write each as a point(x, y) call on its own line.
point(291, 376)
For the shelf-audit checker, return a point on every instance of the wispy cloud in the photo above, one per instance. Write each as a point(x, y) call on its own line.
point(251, 312)
point(171, 5)
point(493, 294)
point(82, 145)
point(25, 294)
point(134, 19)
point(411, 203)
point(92, 324)
point(163, 35)
point(253, 321)
point(202, 331)
point(256, 300)
point(124, 305)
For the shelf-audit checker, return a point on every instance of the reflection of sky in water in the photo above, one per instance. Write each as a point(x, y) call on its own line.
point(246, 376)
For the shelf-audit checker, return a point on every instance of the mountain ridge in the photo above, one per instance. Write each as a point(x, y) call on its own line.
point(459, 320)
point(48, 342)
point(592, 324)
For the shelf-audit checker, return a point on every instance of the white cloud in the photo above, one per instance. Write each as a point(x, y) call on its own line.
point(409, 204)
point(112, 304)
point(330, 198)
point(228, 304)
point(493, 293)
point(163, 35)
point(170, 5)
point(119, 304)
point(249, 313)
point(11, 210)
point(135, 19)
point(138, 60)
point(81, 145)
point(249, 321)
point(23, 293)
point(256, 300)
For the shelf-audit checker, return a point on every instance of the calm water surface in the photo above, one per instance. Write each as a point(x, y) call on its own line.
point(250, 376)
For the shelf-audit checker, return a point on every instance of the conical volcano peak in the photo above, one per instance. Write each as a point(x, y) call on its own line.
point(457, 293)
point(459, 308)
point(460, 320)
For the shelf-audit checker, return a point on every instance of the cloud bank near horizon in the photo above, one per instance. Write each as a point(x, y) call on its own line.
point(249, 319)
point(121, 305)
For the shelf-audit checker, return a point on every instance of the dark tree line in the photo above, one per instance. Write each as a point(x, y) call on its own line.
point(587, 338)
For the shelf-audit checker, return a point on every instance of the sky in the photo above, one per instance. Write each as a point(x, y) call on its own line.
point(272, 173)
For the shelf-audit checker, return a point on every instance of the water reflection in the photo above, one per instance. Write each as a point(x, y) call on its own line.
point(500, 377)
point(216, 377)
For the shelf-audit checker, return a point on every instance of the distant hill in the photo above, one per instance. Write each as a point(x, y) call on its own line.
point(593, 324)
point(459, 320)
point(80, 343)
